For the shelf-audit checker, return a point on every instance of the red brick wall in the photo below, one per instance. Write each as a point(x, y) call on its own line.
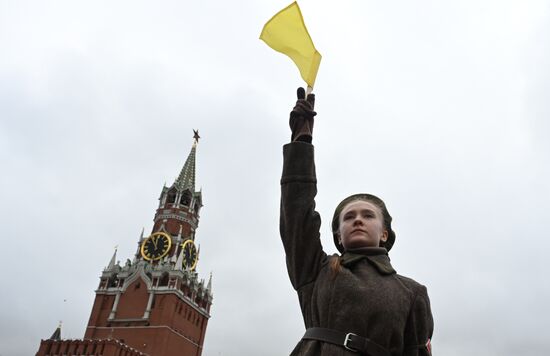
point(100, 311)
point(153, 340)
point(172, 311)
point(173, 227)
point(133, 301)
point(86, 347)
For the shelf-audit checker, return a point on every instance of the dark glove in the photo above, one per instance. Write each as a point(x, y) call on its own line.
point(301, 117)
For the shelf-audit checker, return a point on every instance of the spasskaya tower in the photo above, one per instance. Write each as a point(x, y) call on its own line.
point(154, 304)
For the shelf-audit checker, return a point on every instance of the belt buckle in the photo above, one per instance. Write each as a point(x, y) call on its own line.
point(347, 339)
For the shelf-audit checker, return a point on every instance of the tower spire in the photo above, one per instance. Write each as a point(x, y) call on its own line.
point(186, 178)
point(209, 286)
point(179, 262)
point(113, 260)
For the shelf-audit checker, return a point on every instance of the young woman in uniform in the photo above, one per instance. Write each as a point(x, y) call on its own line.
point(353, 303)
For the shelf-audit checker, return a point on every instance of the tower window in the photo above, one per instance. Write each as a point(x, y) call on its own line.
point(186, 198)
point(163, 280)
point(113, 281)
point(171, 199)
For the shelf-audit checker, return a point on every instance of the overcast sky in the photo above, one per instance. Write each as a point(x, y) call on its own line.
point(440, 108)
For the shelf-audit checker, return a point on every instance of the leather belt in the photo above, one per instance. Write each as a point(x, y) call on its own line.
point(350, 341)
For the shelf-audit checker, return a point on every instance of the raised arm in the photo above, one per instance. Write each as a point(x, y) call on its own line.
point(299, 222)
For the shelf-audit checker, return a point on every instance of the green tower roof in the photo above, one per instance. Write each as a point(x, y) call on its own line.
point(186, 178)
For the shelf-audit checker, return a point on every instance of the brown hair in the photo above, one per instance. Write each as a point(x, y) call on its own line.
point(335, 265)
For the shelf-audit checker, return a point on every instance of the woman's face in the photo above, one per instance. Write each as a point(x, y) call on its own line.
point(361, 225)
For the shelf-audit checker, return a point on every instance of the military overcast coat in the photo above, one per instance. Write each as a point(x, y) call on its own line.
point(365, 297)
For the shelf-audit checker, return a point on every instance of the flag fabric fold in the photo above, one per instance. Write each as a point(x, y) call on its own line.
point(286, 33)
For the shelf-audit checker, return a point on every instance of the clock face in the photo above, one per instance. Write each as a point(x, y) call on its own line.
point(156, 246)
point(190, 255)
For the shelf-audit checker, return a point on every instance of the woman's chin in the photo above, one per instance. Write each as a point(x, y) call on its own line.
point(355, 243)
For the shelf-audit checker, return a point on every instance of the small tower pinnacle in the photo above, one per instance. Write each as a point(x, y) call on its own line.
point(209, 286)
point(57, 333)
point(113, 259)
point(179, 261)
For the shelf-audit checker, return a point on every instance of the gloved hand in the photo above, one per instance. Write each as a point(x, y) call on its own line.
point(301, 117)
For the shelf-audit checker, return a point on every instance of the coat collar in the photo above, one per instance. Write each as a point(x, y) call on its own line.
point(377, 256)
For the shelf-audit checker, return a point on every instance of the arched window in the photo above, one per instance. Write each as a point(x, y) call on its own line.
point(113, 281)
point(171, 197)
point(163, 280)
point(186, 198)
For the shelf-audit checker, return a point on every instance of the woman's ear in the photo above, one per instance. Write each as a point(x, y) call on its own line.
point(337, 233)
point(384, 236)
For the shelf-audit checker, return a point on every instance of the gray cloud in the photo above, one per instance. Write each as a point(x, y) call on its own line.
point(437, 108)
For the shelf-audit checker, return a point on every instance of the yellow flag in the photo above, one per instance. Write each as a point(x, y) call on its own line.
point(287, 33)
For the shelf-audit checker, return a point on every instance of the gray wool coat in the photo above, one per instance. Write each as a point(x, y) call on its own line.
point(366, 297)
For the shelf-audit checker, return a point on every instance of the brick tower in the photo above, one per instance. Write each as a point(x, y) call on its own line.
point(155, 304)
